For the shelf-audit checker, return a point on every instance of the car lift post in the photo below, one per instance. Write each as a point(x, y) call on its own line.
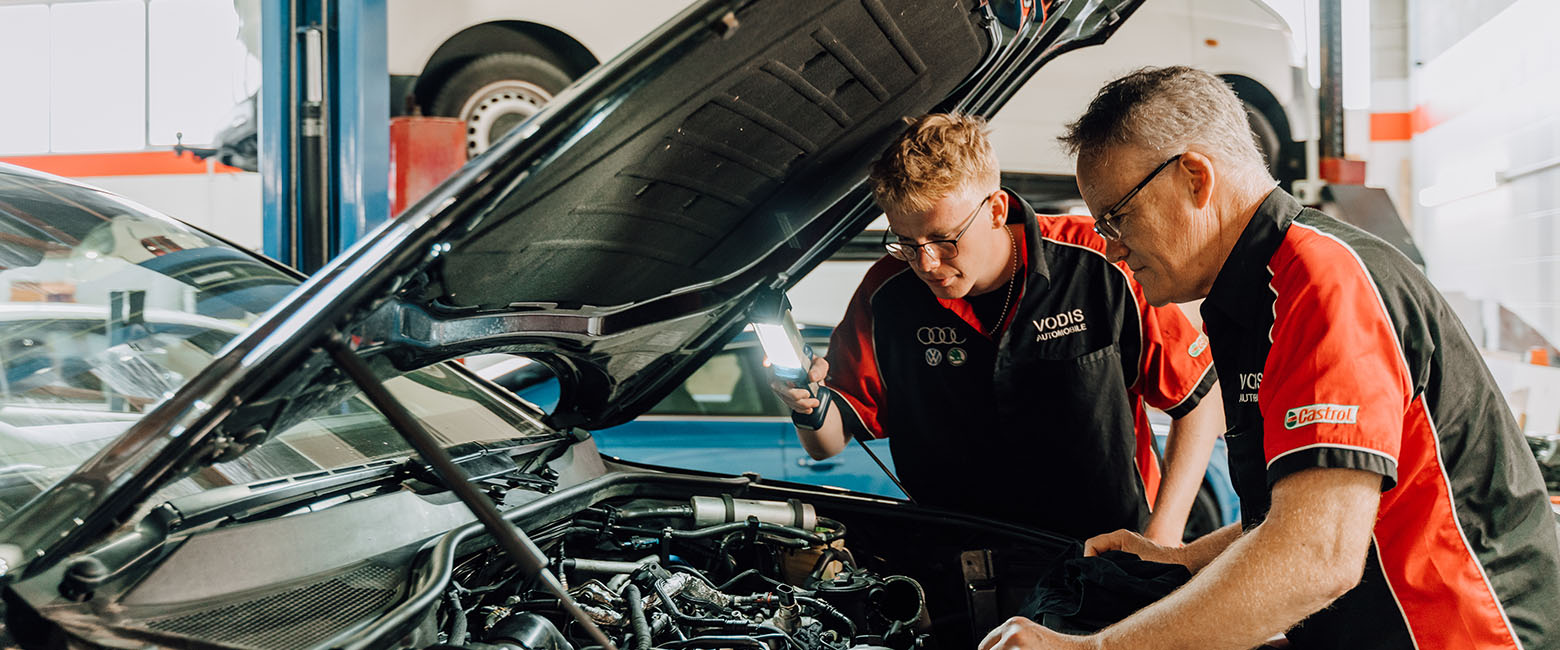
point(1332, 165)
point(324, 126)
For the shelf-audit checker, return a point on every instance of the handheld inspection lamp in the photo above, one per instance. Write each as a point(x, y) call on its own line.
point(789, 357)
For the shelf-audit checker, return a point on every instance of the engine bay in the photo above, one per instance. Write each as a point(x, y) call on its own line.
point(711, 572)
point(654, 560)
point(726, 572)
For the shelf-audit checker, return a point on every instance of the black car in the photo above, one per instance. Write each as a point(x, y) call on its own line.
point(260, 490)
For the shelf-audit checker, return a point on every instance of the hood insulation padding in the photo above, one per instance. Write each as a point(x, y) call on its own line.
point(719, 158)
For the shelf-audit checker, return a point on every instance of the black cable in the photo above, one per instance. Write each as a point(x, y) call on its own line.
point(693, 572)
point(636, 616)
point(718, 641)
point(678, 614)
point(729, 583)
point(830, 610)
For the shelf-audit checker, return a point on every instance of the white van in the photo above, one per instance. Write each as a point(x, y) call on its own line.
point(493, 62)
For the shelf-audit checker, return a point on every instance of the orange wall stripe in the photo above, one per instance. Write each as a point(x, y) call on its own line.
point(1387, 127)
point(137, 163)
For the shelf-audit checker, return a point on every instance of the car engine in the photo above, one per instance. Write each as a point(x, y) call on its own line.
point(711, 572)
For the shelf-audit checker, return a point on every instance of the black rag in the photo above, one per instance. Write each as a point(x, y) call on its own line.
point(1086, 594)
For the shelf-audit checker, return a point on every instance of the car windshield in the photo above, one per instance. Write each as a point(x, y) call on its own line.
point(109, 309)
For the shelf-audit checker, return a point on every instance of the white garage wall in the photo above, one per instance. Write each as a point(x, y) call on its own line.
point(1487, 170)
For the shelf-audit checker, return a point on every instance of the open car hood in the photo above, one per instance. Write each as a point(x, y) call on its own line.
point(623, 234)
point(619, 237)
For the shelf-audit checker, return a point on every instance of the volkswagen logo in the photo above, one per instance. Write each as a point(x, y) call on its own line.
point(938, 336)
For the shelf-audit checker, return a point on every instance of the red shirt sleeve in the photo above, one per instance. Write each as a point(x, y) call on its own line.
point(1177, 368)
point(1335, 387)
point(853, 368)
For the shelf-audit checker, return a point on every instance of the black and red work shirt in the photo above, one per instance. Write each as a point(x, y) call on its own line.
point(1043, 426)
point(1334, 350)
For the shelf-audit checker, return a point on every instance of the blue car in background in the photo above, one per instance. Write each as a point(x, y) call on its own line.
point(724, 419)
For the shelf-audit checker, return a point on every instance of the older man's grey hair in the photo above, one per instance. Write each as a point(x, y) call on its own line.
point(1167, 111)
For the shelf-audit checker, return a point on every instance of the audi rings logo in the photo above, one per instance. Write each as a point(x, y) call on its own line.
point(938, 336)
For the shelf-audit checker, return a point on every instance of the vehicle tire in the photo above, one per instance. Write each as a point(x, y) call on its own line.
point(1204, 517)
point(495, 93)
point(1268, 142)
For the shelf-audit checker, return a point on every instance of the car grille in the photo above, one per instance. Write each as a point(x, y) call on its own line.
point(294, 618)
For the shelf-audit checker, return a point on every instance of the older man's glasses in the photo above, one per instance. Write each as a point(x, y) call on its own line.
point(942, 249)
point(1108, 225)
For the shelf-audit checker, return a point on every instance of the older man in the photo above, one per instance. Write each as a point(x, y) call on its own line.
point(1388, 497)
point(1006, 359)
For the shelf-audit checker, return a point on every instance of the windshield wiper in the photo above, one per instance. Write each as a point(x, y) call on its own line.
point(479, 462)
point(521, 550)
point(286, 494)
point(238, 501)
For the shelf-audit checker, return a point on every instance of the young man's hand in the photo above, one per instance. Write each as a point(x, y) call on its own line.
point(798, 399)
point(1126, 540)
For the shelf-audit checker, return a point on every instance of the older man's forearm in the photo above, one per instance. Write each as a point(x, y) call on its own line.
point(1310, 551)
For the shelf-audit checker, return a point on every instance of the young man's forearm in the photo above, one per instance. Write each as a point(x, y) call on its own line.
point(828, 440)
point(1201, 552)
point(1187, 449)
point(1193, 556)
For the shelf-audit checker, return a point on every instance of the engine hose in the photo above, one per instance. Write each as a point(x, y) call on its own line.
point(822, 564)
point(836, 529)
point(458, 622)
point(663, 511)
point(733, 527)
point(636, 616)
point(793, 544)
point(831, 611)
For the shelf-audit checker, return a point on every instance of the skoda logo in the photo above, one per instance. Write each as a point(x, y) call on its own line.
point(938, 336)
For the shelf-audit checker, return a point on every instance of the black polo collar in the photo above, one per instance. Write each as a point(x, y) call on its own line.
point(1243, 280)
point(1019, 211)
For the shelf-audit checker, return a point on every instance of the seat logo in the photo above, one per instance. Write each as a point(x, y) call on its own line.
point(1318, 413)
point(938, 336)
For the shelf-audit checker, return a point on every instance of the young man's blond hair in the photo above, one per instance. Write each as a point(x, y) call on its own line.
point(939, 154)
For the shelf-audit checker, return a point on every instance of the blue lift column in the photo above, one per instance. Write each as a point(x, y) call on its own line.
point(324, 127)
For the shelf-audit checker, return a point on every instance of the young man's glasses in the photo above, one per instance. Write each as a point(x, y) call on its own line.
point(1108, 225)
point(942, 249)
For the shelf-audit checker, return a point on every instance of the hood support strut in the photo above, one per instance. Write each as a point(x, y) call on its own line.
point(521, 550)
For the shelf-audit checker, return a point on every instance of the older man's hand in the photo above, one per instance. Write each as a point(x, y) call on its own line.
point(1023, 634)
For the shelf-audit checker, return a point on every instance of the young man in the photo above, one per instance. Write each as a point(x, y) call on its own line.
point(1389, 499)
point(1007, 360)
